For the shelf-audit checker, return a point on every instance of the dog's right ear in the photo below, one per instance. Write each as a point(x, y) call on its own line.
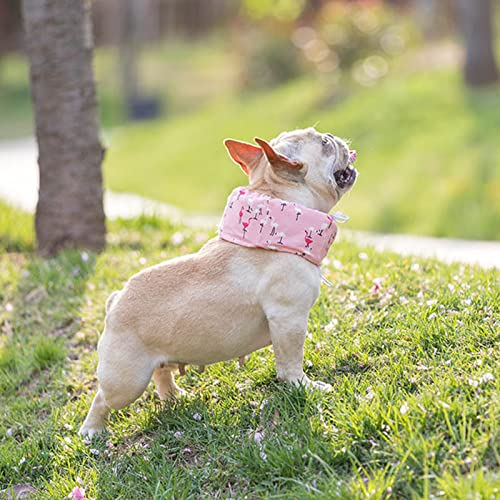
point(246, 155)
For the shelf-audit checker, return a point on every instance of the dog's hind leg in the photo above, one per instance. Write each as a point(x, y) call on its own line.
point(165, 383)
point(124, 372)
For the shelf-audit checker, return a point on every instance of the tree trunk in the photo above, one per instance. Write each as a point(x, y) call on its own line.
point(59, 44)
point(477, 24)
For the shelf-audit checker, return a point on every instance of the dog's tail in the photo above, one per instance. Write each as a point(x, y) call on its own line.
point(112, 299)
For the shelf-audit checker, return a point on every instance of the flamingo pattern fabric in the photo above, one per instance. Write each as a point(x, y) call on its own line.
point(253, 219)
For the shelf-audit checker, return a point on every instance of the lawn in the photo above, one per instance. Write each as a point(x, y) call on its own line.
point(409, 345)
point(428, 151)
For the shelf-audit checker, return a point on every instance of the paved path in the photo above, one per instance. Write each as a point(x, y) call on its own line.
point(19, 187)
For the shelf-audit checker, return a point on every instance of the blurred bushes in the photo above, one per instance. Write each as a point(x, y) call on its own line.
point(333, 39)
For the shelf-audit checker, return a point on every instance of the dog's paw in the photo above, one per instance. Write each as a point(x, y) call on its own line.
point(181, 393)
point(174, 393)
point(88, 431)
point(313, 384)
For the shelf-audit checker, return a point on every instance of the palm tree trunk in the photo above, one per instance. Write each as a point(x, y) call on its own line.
point(70, 205)
point(477, 24)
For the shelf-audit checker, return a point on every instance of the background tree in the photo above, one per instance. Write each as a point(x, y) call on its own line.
point(477, 24)
point(59, 45)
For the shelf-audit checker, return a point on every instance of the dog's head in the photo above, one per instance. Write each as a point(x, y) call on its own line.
point(303, 166)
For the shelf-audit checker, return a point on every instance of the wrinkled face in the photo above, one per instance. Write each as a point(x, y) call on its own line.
point(326, 159)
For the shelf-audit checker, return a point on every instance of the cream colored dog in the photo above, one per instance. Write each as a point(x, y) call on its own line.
point(224, 301)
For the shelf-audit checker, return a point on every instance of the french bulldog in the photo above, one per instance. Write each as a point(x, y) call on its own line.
point(231, 297)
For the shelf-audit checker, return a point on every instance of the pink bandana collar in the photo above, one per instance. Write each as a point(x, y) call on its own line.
point(253, 219)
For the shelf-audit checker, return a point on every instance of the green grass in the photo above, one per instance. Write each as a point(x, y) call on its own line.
point(427, 147)
point(16, 229)
point(414, 366)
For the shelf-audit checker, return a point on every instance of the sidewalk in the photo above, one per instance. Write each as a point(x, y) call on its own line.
point(19, 187)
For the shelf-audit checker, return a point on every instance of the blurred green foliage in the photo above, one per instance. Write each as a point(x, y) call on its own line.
point(283, 10)
point(336, 39)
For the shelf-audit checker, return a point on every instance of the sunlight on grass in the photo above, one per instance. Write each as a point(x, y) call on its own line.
point(47, 351)
point(408, 344)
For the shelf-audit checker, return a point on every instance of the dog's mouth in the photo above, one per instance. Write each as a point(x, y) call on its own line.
point(345, 177)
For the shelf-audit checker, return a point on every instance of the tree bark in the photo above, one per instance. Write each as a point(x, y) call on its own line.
point(59, 44)
point(477, 25)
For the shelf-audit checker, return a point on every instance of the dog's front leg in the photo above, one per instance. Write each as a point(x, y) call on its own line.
point(288, 333)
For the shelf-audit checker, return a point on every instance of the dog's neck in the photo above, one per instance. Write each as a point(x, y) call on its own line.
point(260, 220)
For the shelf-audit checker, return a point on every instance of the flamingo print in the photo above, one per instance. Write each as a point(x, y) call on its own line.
point(298, 213)
point(245, 227)
point(276, 217)
point(308, 239)
point(319, 232)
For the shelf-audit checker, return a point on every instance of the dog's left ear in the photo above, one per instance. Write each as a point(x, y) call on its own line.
point(283, 165)
point(246, 155)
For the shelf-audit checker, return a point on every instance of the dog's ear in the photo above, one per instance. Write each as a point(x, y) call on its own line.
point(246, 155)
point(282, 165)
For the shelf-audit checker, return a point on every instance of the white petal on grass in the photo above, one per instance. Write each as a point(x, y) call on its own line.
point(369, 394)
point(258, 436)
point(487, 377)
point(331, 326)
point(472, 382)
point(404, 409)
point(337, 264)
point(177, 238)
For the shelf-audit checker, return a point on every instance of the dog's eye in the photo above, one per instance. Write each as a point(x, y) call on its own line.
point(324, 140)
